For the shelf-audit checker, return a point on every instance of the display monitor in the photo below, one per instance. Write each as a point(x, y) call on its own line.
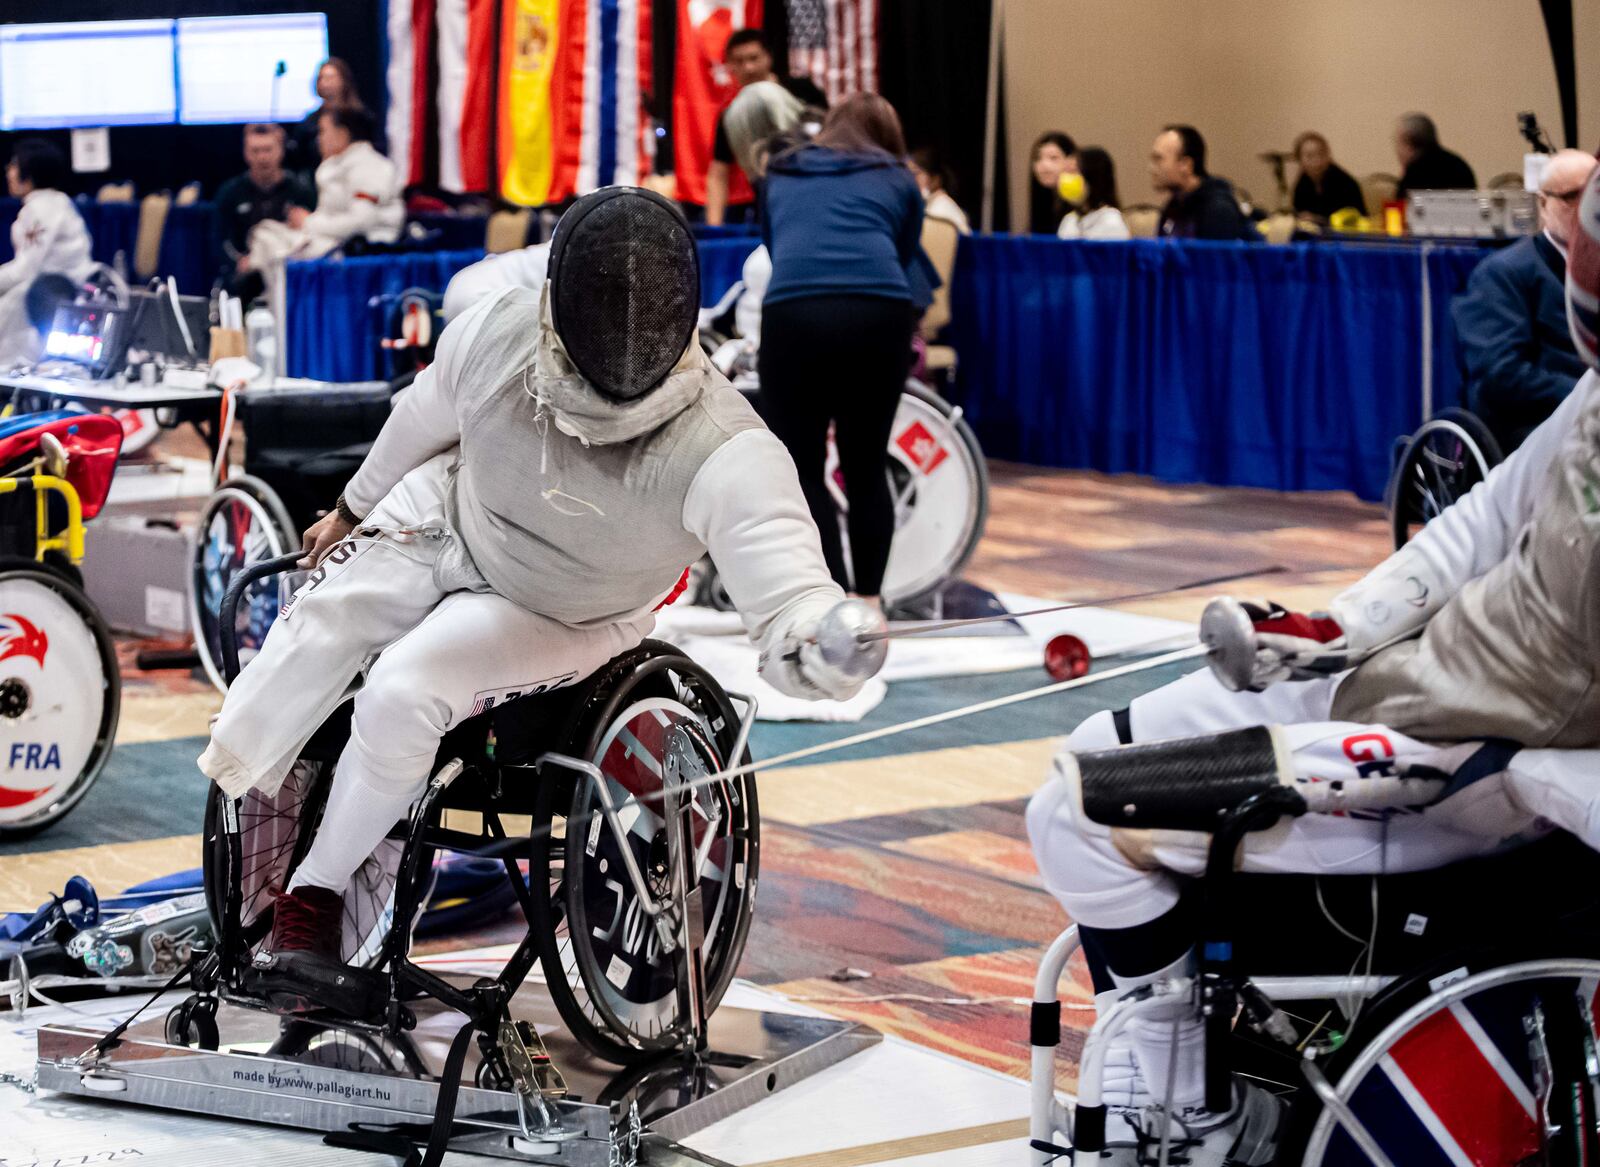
point(250, 68)
point(89, 73)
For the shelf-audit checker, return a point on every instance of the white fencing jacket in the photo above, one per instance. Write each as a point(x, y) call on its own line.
point(358, 193)
point(48, 237)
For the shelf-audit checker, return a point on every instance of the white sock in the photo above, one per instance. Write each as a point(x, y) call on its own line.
point(357, 818)
point(1150, 1039)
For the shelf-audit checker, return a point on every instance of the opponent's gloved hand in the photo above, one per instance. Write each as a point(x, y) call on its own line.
point(1255, 643)
point(825, 658)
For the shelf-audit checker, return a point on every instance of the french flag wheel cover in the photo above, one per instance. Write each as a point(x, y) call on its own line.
point(243, 523)
point(60, 694)
point(1493, 1069)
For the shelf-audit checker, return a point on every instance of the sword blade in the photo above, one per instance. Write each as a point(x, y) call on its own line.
point(924, 627)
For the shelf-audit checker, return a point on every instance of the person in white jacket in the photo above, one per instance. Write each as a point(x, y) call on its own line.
point(1473, 690)
point(535, 496)
point(48, 238)
point(358, 196)
point(1096, 211)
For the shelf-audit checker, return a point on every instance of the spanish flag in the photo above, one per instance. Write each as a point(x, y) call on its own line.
point(573, 74)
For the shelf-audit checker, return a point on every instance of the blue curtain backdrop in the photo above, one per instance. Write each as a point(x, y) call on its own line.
point(1292, 367)
point(114, 227)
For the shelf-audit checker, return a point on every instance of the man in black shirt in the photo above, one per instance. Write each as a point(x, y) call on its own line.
point(748, 60)
point(265, 191)
point(1428, 165)
point(1199, 206)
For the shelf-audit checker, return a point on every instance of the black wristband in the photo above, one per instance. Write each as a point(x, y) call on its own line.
point(346, 513)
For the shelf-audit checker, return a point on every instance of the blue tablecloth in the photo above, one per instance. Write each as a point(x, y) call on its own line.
point(1286, 367)
point(333, 334)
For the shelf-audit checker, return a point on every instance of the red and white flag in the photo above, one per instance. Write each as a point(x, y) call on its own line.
point(834, 43)
point(702, 89)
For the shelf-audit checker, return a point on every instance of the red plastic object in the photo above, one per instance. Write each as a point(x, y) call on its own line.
point(1066, 658)
point(92, 442)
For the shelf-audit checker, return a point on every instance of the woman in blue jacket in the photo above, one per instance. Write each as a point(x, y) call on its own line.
point(843, 222)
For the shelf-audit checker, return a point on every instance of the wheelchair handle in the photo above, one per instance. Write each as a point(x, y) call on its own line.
point(229, 614)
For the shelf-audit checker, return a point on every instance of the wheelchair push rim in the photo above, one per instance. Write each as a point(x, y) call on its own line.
point(243, 524)
point(60, 698)
point(1444, 460)
point(1455, 1077)
point(612, 985)
point(940, 488)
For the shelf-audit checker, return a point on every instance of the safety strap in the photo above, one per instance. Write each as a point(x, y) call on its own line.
point(399, 1140)
point(112, 1040)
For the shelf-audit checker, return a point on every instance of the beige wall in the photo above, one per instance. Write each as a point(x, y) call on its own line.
point(1252, 75)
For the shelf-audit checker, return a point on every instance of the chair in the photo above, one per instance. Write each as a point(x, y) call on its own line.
point(188, 196)
point(152, 226)
point(939, 240)
point(1378, 189)
point(507, 230)
point(1144, 220)
point(1506, 180)
point(1278, 228)
point(115, 192)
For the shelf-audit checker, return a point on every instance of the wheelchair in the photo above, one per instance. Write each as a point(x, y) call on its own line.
point(1445, 1046)
point(1447, 456)
point(60, 687)
point(637, 895)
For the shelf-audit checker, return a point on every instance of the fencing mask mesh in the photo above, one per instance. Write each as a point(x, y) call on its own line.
point(1583, 275)
point(624, 288)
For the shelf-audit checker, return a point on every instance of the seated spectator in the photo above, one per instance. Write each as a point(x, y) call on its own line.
point(1199, 205)
point(48, 237)
point(1428, 165)
point(1054, 154)
point(749, 60)
point(1324, 186)
point(265, 191)
point(1098, 213)
point(1511, 322)
point(358, 197)
point(934, 180)
point(336, 87)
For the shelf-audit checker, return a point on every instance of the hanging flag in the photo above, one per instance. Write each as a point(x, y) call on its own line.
point(703, 88)
point(835, 44)
point(465, 35)
point(412, 79)
point(573, 77)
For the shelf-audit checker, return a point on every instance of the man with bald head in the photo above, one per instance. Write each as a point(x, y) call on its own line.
point(1511, 322)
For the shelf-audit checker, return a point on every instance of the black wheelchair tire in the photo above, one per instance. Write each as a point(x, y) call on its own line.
point(1387, 1006)
point(111, 709)
point(193, 1025)
point(260, 497)
point(610, 691)
point(1480, 446)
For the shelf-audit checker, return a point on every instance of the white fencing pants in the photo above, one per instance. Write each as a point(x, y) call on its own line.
point(445, 656)
point(1120, 878)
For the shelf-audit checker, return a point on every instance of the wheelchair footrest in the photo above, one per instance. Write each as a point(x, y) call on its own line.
point(1186, 784)
point(296, 982)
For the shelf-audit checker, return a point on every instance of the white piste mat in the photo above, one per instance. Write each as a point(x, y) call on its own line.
point(717, 641)
point(941, 1110)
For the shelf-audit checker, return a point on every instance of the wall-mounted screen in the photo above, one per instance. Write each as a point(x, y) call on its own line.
point(250, 68)
point(90, 73)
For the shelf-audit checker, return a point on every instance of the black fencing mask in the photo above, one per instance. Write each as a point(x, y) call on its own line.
point(624, 289)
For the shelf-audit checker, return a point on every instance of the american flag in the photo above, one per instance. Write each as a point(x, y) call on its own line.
point(835, 44)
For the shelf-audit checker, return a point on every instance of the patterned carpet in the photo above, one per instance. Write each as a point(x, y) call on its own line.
point(905, 860)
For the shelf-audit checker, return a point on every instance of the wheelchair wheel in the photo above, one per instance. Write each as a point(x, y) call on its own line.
point(274, 834)
point(612, 984)
point(940, 486)
point(243, 523)
point(1446, 458)
point(60, 697)
point(1496, 1065)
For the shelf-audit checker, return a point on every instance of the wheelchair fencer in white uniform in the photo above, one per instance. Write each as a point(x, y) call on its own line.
point(1446, 707)
point(936, 470)
point(533, 499)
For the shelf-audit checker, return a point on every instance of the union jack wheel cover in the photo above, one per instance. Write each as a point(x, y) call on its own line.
point(59, 698)
point(1454, 1081)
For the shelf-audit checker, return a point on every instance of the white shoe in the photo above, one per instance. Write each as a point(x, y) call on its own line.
point(1245, 1137)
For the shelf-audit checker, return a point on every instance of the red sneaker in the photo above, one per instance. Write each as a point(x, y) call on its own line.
point(300, 970)
point(309, 919)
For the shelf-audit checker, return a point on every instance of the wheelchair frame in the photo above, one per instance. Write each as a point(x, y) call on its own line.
point(513, 1052)
point(1221, 993)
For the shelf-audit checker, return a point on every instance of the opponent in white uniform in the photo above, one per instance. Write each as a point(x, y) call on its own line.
point(48, 237)
point(536, 495)
point(1474, 646)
